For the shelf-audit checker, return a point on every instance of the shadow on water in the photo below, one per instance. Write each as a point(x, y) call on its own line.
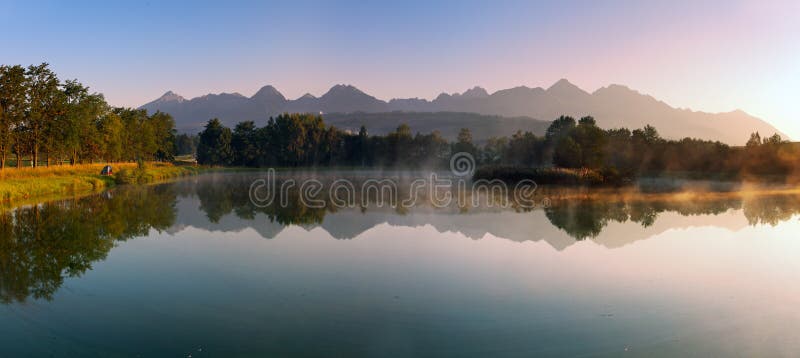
point(42, 245)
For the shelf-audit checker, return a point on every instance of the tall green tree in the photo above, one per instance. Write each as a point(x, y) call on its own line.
point(215, 144)
point(12, 107)
point(112, 131)
point(592, 141)
point(163, 127)
point(244, 143)
point(45, 104)
point(77, 130)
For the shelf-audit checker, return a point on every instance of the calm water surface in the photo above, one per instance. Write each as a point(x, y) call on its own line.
point(192, 268)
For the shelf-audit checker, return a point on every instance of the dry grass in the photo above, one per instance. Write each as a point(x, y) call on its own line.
point(59, 170)
point(23, 184)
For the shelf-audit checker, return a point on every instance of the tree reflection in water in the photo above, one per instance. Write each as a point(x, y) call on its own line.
point(42, 245)
point(583, 219)
point(580, 215)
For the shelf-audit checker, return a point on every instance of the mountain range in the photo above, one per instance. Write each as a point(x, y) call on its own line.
point(499, 113)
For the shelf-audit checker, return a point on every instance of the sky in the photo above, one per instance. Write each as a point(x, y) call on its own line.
point(713, 56)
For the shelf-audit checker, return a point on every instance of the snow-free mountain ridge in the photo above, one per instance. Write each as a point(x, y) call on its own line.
point(612, 106)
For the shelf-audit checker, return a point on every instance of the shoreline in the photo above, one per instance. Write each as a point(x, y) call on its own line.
point(32, 185)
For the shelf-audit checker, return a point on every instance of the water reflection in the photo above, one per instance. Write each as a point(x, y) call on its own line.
point(580, 213)
point(41, 245)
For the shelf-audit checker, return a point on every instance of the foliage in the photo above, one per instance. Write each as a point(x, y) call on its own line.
point(214, 147)
point(151, 173)
point(186, 144)
point(293, 140)
point(46, 120)
point(615, 156)
point(559, 176)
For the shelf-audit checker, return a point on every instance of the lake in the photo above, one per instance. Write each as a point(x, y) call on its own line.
point(196, 268)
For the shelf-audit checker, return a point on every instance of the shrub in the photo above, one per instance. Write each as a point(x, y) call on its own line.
point(555, 176)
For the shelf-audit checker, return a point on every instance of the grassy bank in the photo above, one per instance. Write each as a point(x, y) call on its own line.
point(554, 176)
point(24, 184)
point(152, 173)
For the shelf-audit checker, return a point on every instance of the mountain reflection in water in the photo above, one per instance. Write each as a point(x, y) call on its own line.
point(41, 245)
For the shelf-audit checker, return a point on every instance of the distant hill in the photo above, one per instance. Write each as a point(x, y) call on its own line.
point(447, 123)
point(515, 108)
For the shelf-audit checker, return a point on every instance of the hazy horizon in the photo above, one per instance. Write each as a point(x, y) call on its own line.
point(713, 57)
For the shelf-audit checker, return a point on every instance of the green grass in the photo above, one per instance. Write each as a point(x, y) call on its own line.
point(18, 186)
point(153, 173)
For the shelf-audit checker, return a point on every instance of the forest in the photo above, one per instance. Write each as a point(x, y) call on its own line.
point(44, 121)
point(300, 140)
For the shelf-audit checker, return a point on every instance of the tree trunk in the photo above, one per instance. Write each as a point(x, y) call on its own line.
point(19, 163)
point(35, 157)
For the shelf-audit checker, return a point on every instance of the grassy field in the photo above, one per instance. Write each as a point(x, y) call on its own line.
point(24, 184)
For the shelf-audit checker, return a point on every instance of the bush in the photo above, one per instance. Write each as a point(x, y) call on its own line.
point(127, 176)
point(555, 176)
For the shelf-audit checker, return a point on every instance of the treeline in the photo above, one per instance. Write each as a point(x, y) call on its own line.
point(48, 120)
point(622, 153)
point(294, 140)
point(305, 140)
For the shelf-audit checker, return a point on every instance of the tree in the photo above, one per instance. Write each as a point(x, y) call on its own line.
point(12, 107)
point(40, 115)
point(138, 135)
point(560, 128)
point(525, 149)
point(361, 146)
point(185, 144)
point(399, 143)
point(76, 132)
point(646, 146)
point(163, 126)
point(464, 143)
point(494, 150)
point(45, 103)
point(285, 138)
point(215, 144)
point(429, 150)
point(111, 130)
point(754, 141)
point(619, 152)
point(592, 141)
point(774, 140)
point(244, 144)
point(567, 153)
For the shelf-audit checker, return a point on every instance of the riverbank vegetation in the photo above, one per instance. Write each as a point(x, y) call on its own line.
point(570, 152)
point(153, 172)
point(20, 185)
